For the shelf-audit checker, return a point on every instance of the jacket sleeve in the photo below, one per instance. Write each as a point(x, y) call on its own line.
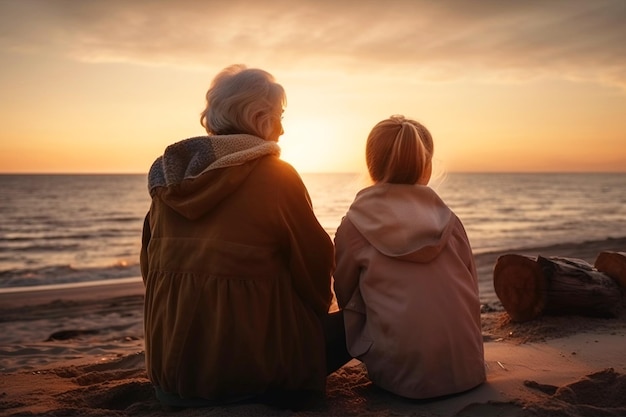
point(466, 253)
point(347, 270)
point(311, 252)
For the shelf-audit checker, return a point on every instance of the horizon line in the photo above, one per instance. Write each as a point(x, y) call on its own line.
point(308, 172)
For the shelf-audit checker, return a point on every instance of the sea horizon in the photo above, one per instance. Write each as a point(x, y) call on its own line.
point(364, 172)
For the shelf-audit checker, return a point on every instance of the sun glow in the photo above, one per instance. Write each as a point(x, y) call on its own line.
point(312, 145)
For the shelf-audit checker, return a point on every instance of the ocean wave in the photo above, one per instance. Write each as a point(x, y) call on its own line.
point(64, 274)
point(45, 235)
point(53, 247)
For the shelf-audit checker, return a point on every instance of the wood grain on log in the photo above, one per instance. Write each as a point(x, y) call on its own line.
point(576, 287)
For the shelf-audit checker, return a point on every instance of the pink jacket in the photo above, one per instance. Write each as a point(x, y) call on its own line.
point(407, 283)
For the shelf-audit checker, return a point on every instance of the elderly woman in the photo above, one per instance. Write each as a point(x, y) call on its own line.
point(237, 268)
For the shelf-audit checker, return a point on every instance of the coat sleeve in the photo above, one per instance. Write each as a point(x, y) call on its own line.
point(347, 270)
point(145, 240)
point(311, 252)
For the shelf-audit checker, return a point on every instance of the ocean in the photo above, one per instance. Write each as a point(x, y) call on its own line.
point(58, 229)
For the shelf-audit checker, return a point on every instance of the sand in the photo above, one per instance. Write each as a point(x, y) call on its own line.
point(79, 352)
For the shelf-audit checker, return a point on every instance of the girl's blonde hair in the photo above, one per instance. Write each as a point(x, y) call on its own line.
point(399, 151)
point(243, 100)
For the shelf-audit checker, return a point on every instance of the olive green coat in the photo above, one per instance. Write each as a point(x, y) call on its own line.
point(237, 272)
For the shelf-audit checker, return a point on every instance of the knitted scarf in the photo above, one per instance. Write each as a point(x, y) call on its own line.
point(191, 157)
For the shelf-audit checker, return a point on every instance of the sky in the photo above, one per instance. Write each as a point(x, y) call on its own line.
point(103, 86)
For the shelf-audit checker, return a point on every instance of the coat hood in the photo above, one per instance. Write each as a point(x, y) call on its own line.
point(409, 222)
point(188, 178)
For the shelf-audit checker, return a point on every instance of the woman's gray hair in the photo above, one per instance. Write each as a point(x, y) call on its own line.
point(243, 100)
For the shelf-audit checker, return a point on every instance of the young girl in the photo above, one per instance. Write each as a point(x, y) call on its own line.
point(405, 275)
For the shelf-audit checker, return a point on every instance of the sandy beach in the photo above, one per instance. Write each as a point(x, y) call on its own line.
point(79, 351)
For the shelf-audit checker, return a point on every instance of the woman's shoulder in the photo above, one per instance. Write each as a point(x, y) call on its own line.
point(274, 161)
point(279, 170)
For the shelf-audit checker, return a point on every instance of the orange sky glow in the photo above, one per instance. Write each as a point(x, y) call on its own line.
point(104, 86)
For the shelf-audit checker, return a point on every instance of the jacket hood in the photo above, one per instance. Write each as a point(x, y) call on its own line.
point(409, 222)
point(195, 174)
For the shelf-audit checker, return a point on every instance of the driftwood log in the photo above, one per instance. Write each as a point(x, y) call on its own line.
point(529, 287)
point(614, 265)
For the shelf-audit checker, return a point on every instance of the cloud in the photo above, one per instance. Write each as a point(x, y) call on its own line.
point(509, 41)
